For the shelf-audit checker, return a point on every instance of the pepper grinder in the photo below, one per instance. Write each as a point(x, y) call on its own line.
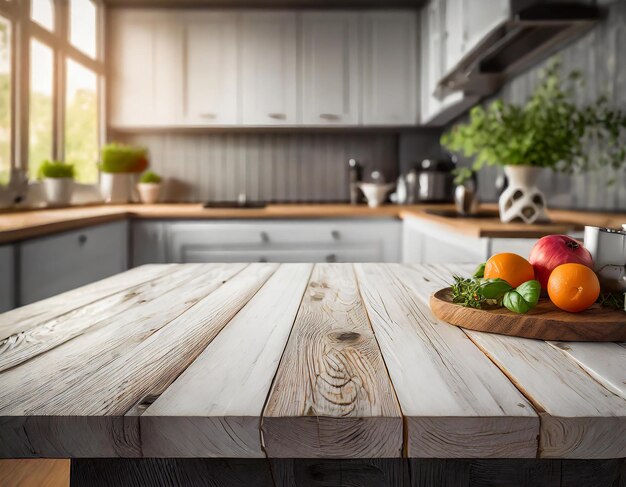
point(356, 175)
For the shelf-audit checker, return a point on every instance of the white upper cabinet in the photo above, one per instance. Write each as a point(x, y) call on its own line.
point(476, 25)
point(454, 35)
point(147, 68)
point(330, 68)
point(390, 68)
point(211, 77)
point(269, 68)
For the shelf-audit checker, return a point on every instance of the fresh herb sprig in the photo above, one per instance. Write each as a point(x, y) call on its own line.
point(612, 300)
point(478, 292)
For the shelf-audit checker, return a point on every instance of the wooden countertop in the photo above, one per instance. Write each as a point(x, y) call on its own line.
point(19, 225)
point(293, 361)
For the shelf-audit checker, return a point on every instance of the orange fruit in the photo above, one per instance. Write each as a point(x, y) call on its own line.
point(573, 287)
point(513, 268)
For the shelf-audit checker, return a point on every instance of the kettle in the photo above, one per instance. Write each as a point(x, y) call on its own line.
point(435, 181)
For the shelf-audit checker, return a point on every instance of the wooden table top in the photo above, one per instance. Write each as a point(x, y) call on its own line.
point(293, 360)
point(19, 225)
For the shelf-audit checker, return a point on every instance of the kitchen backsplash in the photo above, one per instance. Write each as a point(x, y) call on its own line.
point(266, 166)
point(600, 57)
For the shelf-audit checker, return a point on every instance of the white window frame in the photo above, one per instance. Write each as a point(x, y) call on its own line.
point(24, 29)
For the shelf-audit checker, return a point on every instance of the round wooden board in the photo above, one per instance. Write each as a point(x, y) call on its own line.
point(545, 321)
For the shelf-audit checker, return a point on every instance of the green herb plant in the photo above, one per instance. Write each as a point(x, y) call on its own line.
point(478, 292)
point(120, 158)
point(56, 170)
point(150, 177)
point(550, 130)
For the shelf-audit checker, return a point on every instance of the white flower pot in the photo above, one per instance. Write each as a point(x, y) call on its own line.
point(522, 199)
point(149, 192)
point(58, 191)
point(117, 188)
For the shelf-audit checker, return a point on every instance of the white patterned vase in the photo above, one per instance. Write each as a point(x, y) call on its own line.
point(522, 199)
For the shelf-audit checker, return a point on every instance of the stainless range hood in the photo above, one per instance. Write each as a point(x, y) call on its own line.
point(534, 32)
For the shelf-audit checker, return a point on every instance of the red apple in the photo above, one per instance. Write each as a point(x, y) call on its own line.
point(552, 251)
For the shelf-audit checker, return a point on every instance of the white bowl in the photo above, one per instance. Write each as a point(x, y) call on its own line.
point(376, 193)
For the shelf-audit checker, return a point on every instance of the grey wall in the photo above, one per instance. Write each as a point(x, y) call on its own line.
point(601, 56)
point(282, 167)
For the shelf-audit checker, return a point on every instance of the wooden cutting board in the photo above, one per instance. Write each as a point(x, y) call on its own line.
point(544, 322)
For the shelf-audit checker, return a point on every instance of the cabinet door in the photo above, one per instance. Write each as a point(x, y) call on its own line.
point(269, 68)
point(148, 241)
point(7, 278)
point(330, 81)
point(454, 48)
point(390, 68)
point(211, 68)
point(52, 265)
point(432, 36)
point(480, 17)
point(146, 68)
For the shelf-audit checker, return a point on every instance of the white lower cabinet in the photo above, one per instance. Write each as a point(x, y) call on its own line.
point(258, 241)
point(58, 263)
point(7, 277)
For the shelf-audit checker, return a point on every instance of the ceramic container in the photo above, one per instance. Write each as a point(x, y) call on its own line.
point(522, 199)
point(376, 193)
point(58, 191)
point(118, 188)
point(149, 192)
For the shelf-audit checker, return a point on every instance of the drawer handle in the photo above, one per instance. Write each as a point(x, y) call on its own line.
point(265, 237)
point(82, 239)
point(331, 258)
point(263, 259)
point(335, 234)
point(208, 115)
point(277, 116)
point(329, 116)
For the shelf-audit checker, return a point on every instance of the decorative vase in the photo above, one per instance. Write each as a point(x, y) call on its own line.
point(58, 191)
point(117, 188)
point(522, 199)
point(149, 192)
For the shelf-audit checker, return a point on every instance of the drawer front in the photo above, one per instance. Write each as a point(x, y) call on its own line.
point(187, 241)
point(51, 265)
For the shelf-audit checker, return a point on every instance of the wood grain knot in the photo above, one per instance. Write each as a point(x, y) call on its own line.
point(345, 336)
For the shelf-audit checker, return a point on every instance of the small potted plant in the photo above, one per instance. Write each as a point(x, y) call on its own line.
point(58, 182)
point(120, 166)
point(549, 132)
point(149, 187)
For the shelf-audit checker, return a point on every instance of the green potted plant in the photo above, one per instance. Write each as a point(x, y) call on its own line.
point(550, 131)
point(149, 187)
point(58, 182)
point(120, 166)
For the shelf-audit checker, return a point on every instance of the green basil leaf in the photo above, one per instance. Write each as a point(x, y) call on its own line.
point(530, 291)
point(515, 302)
point(494, 288)
point(480, 270)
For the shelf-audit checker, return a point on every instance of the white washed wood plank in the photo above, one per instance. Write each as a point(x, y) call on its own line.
point(33, 421)
point(214, 408)
point(456, 403)
point(605, 362)
point(580, 418)
point(31, 315)
point(50, 334)
point(332, 397)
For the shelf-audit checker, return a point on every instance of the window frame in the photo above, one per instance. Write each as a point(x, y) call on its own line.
point(23, 29)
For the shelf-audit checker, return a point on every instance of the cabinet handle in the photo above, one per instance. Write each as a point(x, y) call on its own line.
point(263, 259)
point(331, 258)
point(329, 116)
point(208, 115)
point(82, 239)
point(265, 237)
point(277, 116)
point(335, 234)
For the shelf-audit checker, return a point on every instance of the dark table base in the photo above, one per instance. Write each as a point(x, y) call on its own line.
point(213, 472)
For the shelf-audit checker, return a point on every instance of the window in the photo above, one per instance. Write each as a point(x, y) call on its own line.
point(42, 12)
point(5, 100)
point(83, 31)
point(81, 121)
point(62, 77)
point(40, 107)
